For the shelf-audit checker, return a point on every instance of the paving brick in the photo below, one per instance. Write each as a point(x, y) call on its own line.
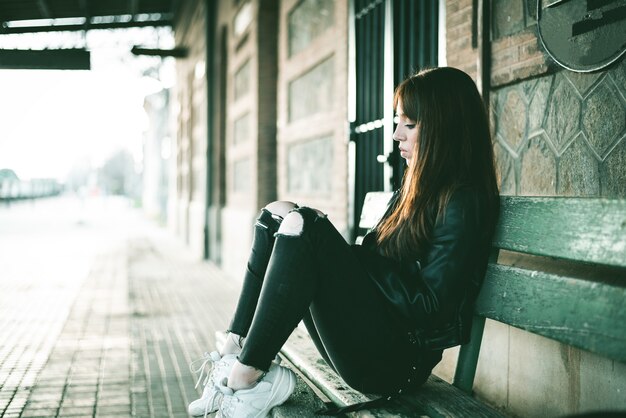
point(43, 404)
point(98, 415)
point(114, 401)
point(51, 412)
point(75, 410)
point(85, 402)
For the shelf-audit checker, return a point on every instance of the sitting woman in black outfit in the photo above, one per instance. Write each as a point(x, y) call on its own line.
point(379, 313)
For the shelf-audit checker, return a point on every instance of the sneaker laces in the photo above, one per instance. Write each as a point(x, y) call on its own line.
point(212, 357)
point(227, 405)
point(212, 398)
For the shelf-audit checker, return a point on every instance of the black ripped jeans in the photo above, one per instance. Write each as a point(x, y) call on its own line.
point(317, 277)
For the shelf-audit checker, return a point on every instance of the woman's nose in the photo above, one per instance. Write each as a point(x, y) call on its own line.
point(396, 134)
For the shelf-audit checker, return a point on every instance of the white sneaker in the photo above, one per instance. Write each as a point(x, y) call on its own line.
point(210, 401)
point(274, 389)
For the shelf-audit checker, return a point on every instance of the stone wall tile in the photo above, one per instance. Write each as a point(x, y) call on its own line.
point(601, 106)
point(538, 165)
point(512, 123)
point(538, 104)
point(578, 171)
point(528, 88)
point(618, 73)
point(563, 118)
point(505, 166)
point(613, 172)
point(582, 81)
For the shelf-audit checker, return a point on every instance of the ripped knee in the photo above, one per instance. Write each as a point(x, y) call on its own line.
point(280, 208)
point(293, 224)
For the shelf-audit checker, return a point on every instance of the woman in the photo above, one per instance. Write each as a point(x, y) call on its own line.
point(380, 313)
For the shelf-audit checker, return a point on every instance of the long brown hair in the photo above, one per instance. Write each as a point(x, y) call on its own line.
point(453, 149)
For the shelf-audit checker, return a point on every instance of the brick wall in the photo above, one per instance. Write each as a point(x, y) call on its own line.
point(460, 53)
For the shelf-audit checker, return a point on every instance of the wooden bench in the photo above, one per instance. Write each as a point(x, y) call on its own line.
point(558, 269)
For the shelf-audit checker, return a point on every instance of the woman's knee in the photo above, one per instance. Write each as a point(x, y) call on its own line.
point(280, 207)
point(293, 224)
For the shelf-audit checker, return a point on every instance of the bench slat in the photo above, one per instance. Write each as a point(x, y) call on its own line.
point(585, 314)
point(374, 207)
point(582, 229)
point(438, 398)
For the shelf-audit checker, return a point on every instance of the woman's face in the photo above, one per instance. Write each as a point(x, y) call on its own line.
point(405, 134)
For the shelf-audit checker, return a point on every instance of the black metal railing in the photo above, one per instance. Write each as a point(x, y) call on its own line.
point(413, 28)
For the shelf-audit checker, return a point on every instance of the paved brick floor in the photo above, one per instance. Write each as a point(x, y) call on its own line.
point(116, 342)
point(143, 313)
point(176, 307)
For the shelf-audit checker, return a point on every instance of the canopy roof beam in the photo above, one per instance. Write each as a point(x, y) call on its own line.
point(46, 59)
point(164, 20)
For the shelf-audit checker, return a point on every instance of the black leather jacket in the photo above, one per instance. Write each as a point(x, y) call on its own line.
point(435, 295)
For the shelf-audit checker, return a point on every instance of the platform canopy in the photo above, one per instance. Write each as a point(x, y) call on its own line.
point(29, 16)
point(41, 16)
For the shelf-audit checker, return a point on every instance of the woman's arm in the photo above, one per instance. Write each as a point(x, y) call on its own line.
point(429, 295)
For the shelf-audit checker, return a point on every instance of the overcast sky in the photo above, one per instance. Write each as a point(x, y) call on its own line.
point(52, 120)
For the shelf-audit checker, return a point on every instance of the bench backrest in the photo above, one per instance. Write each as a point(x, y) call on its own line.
point(560, 305)
point(556, 302)
point(547, 296)
point(374, 207)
